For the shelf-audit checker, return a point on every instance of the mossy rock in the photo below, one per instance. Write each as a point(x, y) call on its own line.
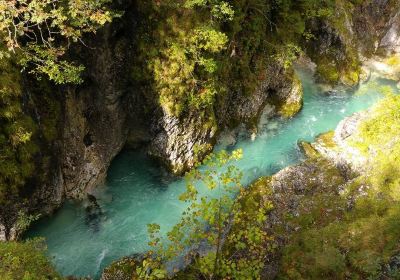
point(124, 269)
point(351, 78)
point(290, 110)
point(327, 140)
point(293, 103)
point(308, 150)
point(331, 73)
point(327, 72)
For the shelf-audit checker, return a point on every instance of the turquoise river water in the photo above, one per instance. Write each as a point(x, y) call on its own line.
point(139, 192)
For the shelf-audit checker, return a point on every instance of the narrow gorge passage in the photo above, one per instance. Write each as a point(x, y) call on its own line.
point(82, 240)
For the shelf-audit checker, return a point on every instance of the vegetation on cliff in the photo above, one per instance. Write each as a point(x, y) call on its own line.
point(40, 32)
point(190, 54)
point(194, 52)
point(16, 162)
point(25, 261)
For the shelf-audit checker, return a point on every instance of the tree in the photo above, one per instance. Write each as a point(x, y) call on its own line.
point(226, 225)
point(40, 31)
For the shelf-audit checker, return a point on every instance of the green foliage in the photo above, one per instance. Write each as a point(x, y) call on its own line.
point(195, 51)
point(227, 223)
point(16, 130)
point(46, 61)
point(22, 137)
point(220, 10)
point(327, 70)
point(176, 75)
point(24, 221)
point(380, 141)
point(355, 247)
point(38, 32)
point(382, 126)
point(340, 61)
point(25, 261)
point(181, 64)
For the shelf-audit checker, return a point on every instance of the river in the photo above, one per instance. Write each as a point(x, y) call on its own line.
point(138, 192)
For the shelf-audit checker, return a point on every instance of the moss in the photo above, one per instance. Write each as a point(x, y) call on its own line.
point(25, 260)
point(339, 62)
point(289, 110)
point(377, 139)
point(381, 127)
point(293, 103)
point(351, 77)
point(393, 61)
point(258, 189)
point(121, 269)
point(308, 150)
point(328, 174)
point(346, 247)
point(347, 71)
point(327, 140)
point(342, 15)
point(351, 67)
point(357, 242)
point(328, 72)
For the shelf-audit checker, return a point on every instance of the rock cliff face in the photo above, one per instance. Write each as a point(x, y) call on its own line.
point(281, 88)
point(376, 25)
point(391, 42)
point(95, 117)
point(181, 142)
point(340, 45)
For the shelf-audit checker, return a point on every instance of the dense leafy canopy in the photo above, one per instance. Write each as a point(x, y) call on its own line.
point(40, 31)
point(16, 154)
point(195, 51)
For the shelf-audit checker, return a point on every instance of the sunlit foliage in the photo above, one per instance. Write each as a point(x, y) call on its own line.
point(40, 31)
point(192, 52)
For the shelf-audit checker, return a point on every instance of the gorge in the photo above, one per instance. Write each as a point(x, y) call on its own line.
point(101, 118)
point(138, 192)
